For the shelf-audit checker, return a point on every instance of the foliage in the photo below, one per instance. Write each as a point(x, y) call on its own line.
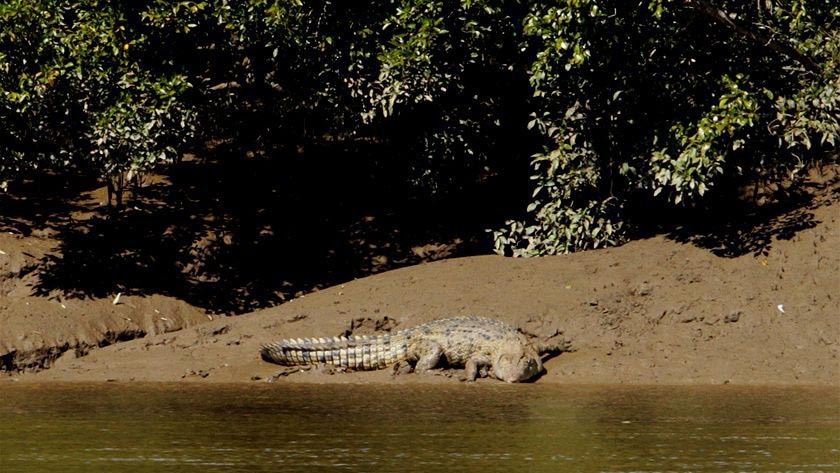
point(74, 90)
point(704, 149)
point(614, 101)
point(567, 208)
point(677, 99)
point(450, 71)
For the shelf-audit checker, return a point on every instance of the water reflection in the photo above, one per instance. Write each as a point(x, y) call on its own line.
point(469, 428)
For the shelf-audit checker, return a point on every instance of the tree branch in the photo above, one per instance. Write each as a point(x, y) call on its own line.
point(721, 17)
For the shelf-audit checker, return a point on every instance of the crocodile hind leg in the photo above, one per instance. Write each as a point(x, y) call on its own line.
point(429, 358)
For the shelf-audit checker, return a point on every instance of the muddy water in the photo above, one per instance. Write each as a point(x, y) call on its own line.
point(471, 428)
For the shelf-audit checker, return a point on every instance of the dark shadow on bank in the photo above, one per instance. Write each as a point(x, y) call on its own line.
point(736, 225)
point(233, 232)
point(43, 204)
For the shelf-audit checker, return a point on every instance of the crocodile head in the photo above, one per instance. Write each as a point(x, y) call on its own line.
point(517, 363)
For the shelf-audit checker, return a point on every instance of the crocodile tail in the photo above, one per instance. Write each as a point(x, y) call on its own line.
point(360, 353)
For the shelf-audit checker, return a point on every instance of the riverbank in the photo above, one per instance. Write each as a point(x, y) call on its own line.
point(654, 311)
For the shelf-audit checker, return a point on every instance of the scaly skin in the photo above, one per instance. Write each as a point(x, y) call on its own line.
point(470, 342)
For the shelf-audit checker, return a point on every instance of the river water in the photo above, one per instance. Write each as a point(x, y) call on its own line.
point(482, 427)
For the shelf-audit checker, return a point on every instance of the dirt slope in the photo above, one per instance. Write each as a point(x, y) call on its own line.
point(654, 311)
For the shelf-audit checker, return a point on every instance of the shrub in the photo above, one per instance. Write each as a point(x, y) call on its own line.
point(75, 90)
point(666, 100)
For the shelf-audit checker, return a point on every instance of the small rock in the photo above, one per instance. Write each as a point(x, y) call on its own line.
point(212, 331)
point(644, 289)
point(733, 317)
point(201, 373)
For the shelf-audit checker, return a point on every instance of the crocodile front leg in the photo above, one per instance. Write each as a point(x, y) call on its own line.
point(474, 365)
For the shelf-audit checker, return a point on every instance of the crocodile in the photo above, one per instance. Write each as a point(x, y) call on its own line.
point(483, 346)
